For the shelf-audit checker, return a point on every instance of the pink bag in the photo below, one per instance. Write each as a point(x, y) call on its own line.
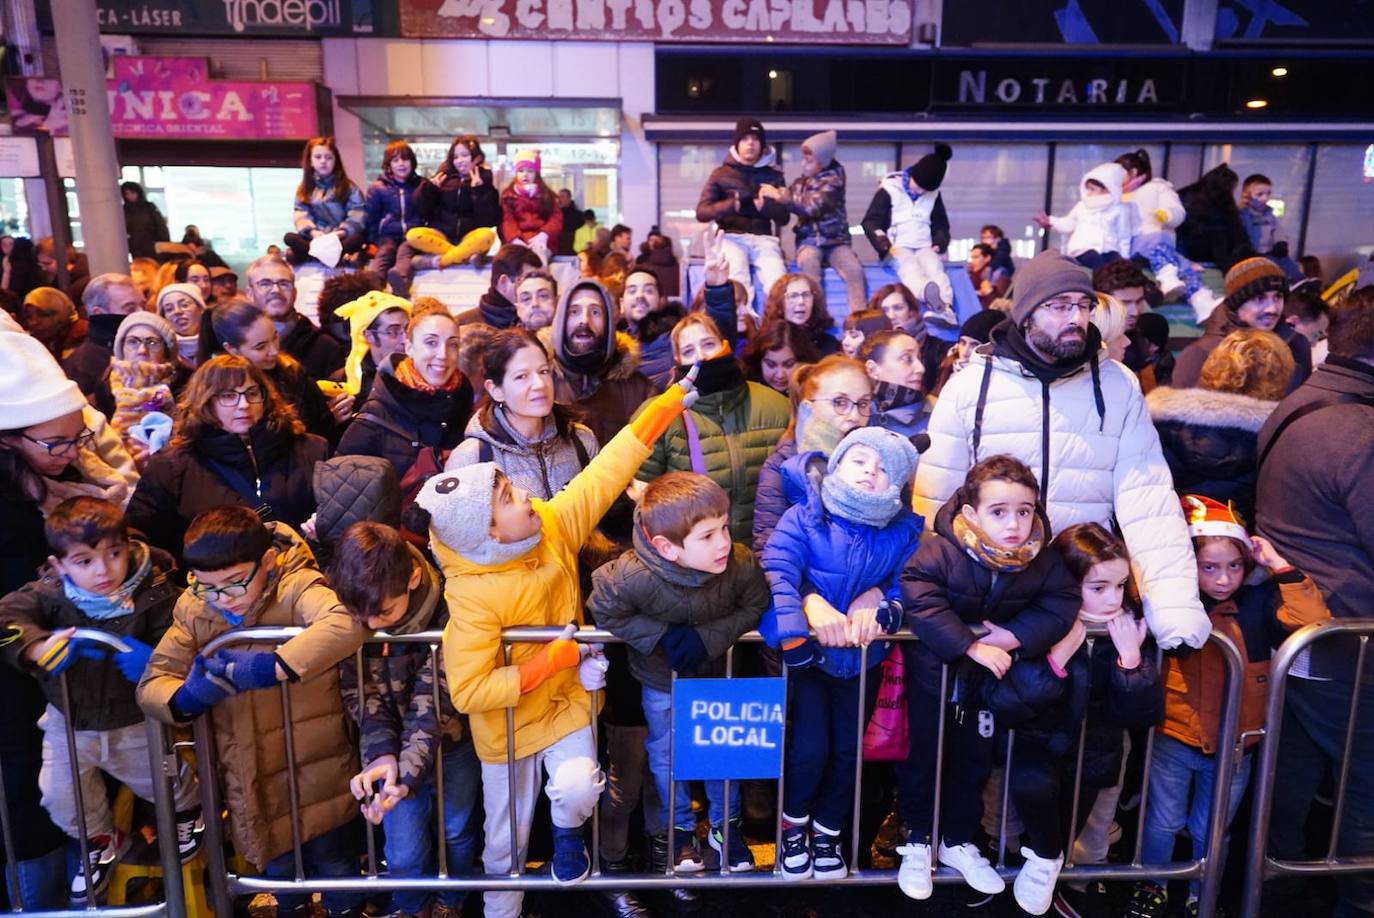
point(887, 738)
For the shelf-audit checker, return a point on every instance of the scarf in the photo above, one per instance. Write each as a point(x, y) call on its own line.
point(982, 549)
point(719, 374)
point(492, 552)
point(409, 376)
point(816, 434)
point(120, 602)
point(890, 396)
point(850, 503)
point(139, 387)
point(188, 348)
point(89, 476)
point(590, 363)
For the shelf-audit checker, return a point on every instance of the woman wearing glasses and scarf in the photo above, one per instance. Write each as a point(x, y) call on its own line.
point(236, 442)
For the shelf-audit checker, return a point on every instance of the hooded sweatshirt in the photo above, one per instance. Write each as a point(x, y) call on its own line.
point(1099, 222)
point(605, 385)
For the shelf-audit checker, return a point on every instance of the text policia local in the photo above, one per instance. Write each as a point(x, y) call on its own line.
point(726, 723)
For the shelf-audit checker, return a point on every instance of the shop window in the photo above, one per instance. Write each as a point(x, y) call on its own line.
point(991, 183)
point(1284, 164)
point(14, 208)
point(682, 171)
point(240, 210)
point(1342, 208)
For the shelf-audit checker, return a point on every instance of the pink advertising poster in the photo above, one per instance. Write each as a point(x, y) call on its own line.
point(173, 98)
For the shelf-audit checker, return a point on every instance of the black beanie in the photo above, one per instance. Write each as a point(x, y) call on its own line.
point(746, 126)
point(979, 326)
point(929, 170)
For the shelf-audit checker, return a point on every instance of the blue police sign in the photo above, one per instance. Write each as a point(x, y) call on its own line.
point(728, 728)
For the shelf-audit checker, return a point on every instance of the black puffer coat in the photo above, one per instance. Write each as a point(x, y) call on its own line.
point(1110, 698)
point(394, 207)
point(397, 422)
point(462, 208)
point(183, 481)
point(945, 592)
point(1209, 441)
point(732, 178)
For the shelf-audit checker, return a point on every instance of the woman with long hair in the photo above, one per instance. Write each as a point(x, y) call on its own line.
point(799, 300)
point(327, 201)
point(236, 442)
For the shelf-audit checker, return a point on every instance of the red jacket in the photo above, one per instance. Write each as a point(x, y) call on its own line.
point(524, 217)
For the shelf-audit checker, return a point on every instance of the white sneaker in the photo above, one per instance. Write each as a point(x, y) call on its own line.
point(1204, 303)
point(1034, 886)
point(1168, 279)
point(913, 874)
point(977, 870)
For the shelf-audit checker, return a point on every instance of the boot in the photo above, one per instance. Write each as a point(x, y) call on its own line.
point(1168, 280)
point(622, 903)
point(473, 244)
point(1204, 303)
point(658, 863)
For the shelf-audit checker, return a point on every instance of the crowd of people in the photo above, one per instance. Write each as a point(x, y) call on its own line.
point(181, 462)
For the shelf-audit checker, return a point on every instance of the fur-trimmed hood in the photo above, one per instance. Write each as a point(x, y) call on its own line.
point(571, 387)
point(1205, 408)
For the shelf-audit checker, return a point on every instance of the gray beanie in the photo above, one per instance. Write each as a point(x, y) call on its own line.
point(822, 147)
point(150, 320)
point(895, 452)
point(1045, 276)
point(459, 506)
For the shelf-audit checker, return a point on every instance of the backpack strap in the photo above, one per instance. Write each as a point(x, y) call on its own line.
point(368, 417)
point(583, 458)
point(693, 444)
point(1304, 411)
point(484, 451)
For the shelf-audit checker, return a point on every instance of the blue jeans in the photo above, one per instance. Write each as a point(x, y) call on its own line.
point(1176, 770)
point(333, 854)
point(42, 881)
point(409, 846)
point(1311, 742)
point(658, 713)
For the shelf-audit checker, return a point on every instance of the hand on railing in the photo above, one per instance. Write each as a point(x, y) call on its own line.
point(591, 672)
point(206, 685)
point(559, 654)
point(377, 803)
point(995, 659)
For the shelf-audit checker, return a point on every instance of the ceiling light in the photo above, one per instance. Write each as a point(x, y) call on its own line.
point(1256, 103)
point(772, 74)
point(1279, 72)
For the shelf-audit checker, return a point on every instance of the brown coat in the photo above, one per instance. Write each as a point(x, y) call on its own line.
point(1195, 685)
point(248, 727)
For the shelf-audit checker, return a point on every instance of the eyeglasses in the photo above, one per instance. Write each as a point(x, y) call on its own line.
point(393, 332)
point(266, 286)
point(1063, 310)
point(228, 398)
point(795, 297)
point(843, 404)
point(63, 445)
point(145, 344)
point(228, 591)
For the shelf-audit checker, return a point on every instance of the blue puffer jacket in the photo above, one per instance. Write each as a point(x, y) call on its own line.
point(812, 551)
point(818, 202)
point(394, 207)
point(323, 214)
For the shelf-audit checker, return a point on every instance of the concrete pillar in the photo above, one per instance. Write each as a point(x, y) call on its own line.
point(97, 168)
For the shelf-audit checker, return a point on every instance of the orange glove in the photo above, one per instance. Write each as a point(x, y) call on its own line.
point(662, 411)
point(559, 654)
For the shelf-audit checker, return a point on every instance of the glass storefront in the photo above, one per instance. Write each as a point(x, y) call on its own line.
point(1006, 183)
point(14, 208)
point(579, 146)
point(241, 210)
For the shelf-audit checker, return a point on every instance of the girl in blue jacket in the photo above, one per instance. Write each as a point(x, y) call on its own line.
point(841, 549)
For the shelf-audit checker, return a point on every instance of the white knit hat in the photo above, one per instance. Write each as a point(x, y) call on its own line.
point(147, 320)
point(33, 388)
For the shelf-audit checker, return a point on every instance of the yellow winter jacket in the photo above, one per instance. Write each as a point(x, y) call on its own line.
point(541, 589)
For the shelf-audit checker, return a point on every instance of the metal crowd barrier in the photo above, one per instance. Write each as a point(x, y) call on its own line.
point(225, 884)
point(163, 763)
point(1258, 865)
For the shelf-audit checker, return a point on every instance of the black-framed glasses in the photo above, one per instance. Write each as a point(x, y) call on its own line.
point(63, 445)
point(266, 285)
point(842, 404)
point(228, 398)
point(1063, 310)
point(232, 590)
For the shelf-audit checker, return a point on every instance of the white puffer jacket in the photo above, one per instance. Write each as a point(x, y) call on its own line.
point(1099, 465)
point(1100, 223)
point(1154, 199)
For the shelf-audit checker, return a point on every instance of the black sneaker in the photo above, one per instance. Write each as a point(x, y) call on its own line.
point(796, 856)
point(105, 852)
point(738, 857)
point(687, 858)
point(827, 860)
point(190, 834)
point(1149, 900)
